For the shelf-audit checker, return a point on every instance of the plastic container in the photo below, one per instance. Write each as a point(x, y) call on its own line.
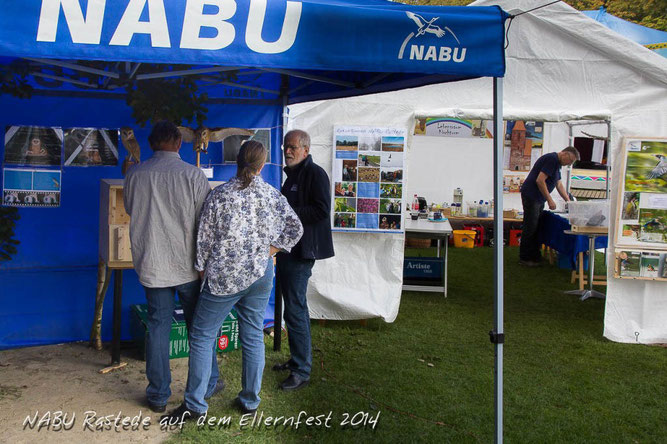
point(464, 238)
point(589, 213)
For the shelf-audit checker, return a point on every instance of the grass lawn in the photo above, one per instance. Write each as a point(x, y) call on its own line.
point(563, 381)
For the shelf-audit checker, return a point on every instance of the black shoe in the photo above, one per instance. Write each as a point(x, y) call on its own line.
point(528, 263)
point(239, 406)
point(181, 413)
point(219, 386)
point(157, 408)
point(293, 382)
point(280, 367)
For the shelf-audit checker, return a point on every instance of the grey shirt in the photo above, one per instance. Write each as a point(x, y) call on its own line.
point(163, 197)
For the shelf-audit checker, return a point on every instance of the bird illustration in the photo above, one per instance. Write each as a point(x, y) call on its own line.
point(56, 183)
point(630, 211)
point(660, 169)
point(428, 26)
point(655, 224)
point(132, 146)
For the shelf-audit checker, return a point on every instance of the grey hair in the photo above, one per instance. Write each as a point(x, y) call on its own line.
point(301, 136)
point(572, 150)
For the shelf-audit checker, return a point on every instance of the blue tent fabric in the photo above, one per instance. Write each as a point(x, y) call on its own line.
point(339, 49)
point(637, 33)
point(344, 41)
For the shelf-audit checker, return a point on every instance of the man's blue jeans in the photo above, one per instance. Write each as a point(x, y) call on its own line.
point(211, 311)
point(293, 276)
point(161, 304)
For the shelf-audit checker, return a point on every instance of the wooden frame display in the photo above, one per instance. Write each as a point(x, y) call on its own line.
point(640, 235)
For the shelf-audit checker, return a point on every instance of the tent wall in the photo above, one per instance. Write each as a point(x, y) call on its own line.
point(48, 288)
point(561, 65)
point(364, 279)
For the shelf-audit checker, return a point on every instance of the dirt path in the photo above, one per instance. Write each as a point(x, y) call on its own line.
point(65, 378)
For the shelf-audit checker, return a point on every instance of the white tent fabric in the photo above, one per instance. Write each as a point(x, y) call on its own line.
point(561, 65)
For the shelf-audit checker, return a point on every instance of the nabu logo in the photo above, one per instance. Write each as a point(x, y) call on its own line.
point(431, 52)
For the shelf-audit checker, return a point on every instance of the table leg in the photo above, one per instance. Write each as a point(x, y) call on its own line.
point(581, 271)
point(590, 293)
point(446, 254)
point(117, 305)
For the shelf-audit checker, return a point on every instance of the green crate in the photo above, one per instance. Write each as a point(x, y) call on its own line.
point(228, 335)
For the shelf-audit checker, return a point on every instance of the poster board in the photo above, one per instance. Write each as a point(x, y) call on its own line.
point(640, 238)
point(368, 179)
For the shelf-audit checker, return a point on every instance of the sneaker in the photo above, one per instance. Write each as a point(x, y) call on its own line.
point(181, 414)
point(239, 406)
point(219, 386)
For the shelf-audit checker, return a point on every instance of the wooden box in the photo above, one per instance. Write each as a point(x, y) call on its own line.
point(114, 242)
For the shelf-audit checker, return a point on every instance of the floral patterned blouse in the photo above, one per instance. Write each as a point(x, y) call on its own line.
point(236, 229)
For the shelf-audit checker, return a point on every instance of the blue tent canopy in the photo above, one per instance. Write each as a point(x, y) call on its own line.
point(651, 38)
point(326, 48)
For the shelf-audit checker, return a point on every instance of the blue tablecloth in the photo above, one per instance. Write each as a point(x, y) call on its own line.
point(552, 227)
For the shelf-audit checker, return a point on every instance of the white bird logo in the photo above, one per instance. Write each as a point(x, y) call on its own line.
point(424, 27)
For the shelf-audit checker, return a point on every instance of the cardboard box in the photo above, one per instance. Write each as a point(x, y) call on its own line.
point(228, 335)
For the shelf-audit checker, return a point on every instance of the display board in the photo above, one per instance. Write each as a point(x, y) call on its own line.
point(368, 179)
point(641, 220)
point(33, 160)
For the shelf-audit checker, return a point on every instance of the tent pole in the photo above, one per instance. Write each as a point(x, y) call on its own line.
point(497, 334)
point(278, 295)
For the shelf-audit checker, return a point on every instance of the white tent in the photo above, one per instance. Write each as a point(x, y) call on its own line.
point(561, 65)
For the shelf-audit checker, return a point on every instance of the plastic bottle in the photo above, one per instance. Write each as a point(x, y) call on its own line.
point(415, 203)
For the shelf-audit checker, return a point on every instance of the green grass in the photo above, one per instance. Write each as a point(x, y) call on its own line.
point(563, 381)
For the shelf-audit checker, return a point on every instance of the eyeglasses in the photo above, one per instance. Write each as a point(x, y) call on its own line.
point(291, 147)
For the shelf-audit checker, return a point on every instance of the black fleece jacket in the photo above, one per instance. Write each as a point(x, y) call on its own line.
point(308, 192)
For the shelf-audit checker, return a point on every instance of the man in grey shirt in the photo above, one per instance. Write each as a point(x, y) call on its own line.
point(163, 197)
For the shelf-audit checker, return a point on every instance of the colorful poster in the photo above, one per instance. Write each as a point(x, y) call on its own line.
point(453, 127)
point(23, 187)
point(646, 167)
point(650, 265)
point(33, 146)
point(525, 140)
point(642, 216)
point(512, 183)
point(629, 263)
point(368, 179)
point(91, 147)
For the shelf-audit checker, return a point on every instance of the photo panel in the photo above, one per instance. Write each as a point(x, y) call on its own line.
point(347, 143)
point(368, 174)
point(368, 189)
point(646, 167)
point(630, 209)
point(23, 187)
point(345, 205)
point(394, 175)
point(345, 189)
point(390, 206)
point(370, 142)
point(368, 205)
point(91, 147)
point(33, 145)
point(393, 143)
point(391, 160)
point(366, 159)
point(231, 145)
point(345, 220)
point(389, 221)
point(391, 191)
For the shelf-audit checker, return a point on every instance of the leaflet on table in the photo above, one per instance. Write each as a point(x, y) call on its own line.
point(368, 183)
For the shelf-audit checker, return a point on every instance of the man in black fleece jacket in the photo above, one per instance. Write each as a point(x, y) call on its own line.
point(308, 191)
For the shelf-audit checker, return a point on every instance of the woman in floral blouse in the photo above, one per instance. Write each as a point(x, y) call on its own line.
point(243, 223)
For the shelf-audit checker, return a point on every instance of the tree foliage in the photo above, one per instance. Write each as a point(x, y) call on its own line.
point(8, 218)
point(651, 13)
